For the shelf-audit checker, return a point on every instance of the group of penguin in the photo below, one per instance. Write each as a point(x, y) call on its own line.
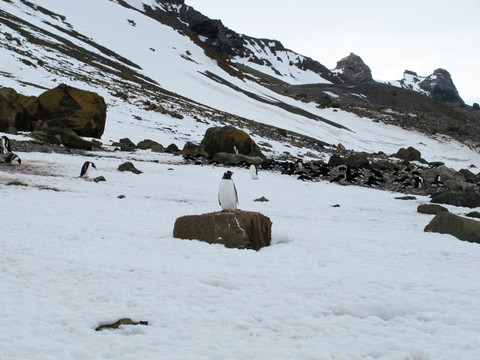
point(6, 150)
point(347, 174)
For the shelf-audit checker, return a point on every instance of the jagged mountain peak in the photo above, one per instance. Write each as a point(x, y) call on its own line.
point(352, 70)
point(438, 85)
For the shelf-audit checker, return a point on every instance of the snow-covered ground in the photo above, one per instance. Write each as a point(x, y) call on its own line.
point(359, 281)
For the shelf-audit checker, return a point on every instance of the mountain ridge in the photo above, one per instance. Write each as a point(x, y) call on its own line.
point(251, 61)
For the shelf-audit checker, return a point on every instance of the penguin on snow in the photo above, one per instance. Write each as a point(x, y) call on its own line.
point(227, 193)
point(253, 172)
point(5, 146)
point(12, 158)
point(87, 166)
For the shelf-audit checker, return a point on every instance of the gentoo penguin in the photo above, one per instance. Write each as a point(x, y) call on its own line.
point(438, 181)
point(5, 146)
point(12, 158)
point(87, 166)
point(253, 172)
point(418, 182)
point(227, 193)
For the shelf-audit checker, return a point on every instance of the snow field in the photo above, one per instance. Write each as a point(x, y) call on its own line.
point(359, 281)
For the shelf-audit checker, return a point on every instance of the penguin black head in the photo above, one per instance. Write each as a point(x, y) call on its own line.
point(228, 175)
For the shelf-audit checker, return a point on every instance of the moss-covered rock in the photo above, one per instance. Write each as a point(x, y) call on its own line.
point(230, 140)
point(82, 111)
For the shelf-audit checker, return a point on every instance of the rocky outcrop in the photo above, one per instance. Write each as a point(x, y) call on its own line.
point(352, 70)
point(461, 228)
point(234, 229)
point(230, 140)
point(441, 87)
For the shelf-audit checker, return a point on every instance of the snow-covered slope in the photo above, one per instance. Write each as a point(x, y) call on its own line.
point(133, 53)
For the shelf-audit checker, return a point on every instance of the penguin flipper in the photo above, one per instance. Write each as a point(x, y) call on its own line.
point(236, 195)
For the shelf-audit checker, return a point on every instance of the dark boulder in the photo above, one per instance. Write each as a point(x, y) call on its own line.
point(461, 228)
point(470, 199)
point(125, 144)
point(158, 148)
point(172, 149)
point(230, 140)
point(128, 166)
point(473, 214)
point(147, 144)
point(194, 150)
point(431, 209)
point(234, 229)
point(409, 154)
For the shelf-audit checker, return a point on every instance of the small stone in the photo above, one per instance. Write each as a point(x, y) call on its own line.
point(128, 166)
point(99, 178)
point(408, 197)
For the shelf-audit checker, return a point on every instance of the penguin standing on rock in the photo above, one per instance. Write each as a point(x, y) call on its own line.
point(87, 166)
point(227, 193)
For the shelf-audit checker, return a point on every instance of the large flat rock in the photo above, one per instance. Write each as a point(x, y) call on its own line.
point(234, 229)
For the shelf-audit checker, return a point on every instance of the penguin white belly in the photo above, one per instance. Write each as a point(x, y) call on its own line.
point(253, 172)
point(227, 195)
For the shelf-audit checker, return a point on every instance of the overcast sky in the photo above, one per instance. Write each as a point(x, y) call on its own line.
point(390, 36)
